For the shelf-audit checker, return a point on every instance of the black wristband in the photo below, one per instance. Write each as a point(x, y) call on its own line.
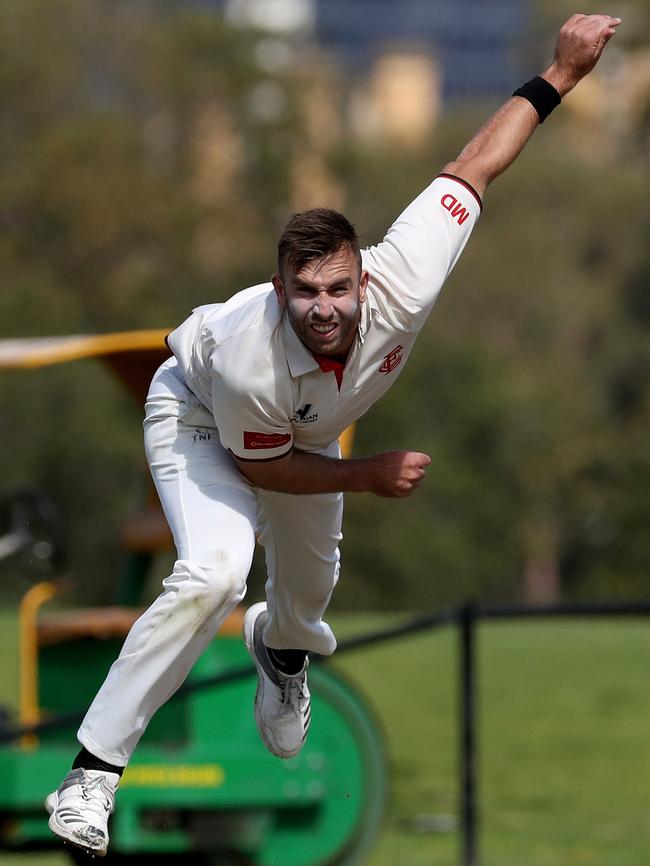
point(541, 95)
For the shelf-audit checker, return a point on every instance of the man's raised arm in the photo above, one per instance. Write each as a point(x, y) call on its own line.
point(498, 143)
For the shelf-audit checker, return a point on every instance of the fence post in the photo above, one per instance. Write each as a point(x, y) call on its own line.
point(467, 698)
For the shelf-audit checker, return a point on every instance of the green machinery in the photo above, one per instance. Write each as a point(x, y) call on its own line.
point(201, 783)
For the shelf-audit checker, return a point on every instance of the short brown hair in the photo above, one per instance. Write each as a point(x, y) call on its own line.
point(314, 234)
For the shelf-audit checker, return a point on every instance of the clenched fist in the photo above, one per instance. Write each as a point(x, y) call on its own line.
point(579, 45)
point(395, 474)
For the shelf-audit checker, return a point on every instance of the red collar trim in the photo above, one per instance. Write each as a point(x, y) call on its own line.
point(331, 365)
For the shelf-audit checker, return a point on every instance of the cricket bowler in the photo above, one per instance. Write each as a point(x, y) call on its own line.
point(241, 435)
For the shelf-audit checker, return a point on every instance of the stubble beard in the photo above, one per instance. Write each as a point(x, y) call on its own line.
point(347, 326)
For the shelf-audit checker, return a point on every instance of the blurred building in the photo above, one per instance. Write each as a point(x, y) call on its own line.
point(479, 46)
point(279, 16)
point(399, 98)
point(378, 67)
point(402, 59)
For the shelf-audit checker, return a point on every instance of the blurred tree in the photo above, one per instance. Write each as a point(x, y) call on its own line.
point(547, 419)
point(149, 158)
point(143, 172)
point(134, 163)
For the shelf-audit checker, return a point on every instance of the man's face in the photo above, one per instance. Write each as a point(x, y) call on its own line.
point(323, 301)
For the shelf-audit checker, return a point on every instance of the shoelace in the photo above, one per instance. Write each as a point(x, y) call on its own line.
point(96, 797)
point(293, 689)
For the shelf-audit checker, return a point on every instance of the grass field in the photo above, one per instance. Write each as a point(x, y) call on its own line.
point(564, 746)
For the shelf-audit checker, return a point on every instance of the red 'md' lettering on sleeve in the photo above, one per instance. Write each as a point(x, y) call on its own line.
point(258, 441)
point(455, 208)
point(460, 213)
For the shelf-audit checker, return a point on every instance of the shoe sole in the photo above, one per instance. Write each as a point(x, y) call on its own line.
point(249, 631)
point(63, 832)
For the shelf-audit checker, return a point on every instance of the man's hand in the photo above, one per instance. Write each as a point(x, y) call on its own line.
point(579, 45)
point(500, 141)
point(395, 474)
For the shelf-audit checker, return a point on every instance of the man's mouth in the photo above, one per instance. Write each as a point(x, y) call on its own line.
point(324, 329)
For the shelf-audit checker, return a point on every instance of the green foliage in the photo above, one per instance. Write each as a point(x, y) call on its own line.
point(115, 216)
point(139, 178)
point(528, 387)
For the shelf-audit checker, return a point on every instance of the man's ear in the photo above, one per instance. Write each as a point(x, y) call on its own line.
point(278, 285)
point(363, 285)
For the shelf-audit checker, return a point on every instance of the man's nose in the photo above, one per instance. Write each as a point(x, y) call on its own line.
point(323, 309)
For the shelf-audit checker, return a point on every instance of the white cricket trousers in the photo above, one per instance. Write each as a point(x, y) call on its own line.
point(214, 514)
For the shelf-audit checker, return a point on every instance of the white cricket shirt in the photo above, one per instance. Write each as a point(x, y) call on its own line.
point(266, 392)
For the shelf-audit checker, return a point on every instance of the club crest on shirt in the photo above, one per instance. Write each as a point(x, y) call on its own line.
point(304, 415)
point(392, 360)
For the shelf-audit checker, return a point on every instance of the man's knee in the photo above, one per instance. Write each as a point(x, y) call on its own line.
point(225, 576)
point(218, 583)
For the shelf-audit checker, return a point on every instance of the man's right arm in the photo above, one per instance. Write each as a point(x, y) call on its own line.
point(393, 474)
point(499, 142)
point(422, 246)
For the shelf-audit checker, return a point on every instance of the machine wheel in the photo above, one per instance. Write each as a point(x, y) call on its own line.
point(348, 736)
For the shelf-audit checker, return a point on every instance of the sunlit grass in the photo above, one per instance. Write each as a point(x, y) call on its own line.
point(564, 713)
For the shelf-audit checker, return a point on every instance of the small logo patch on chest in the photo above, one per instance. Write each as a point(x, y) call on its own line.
point(392, 360)
point(305, 415)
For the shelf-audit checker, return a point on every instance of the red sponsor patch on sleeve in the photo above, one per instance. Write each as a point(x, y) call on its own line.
point(260, 441)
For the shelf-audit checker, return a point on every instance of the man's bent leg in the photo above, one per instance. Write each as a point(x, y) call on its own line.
point(300, 535)
point(210, 508)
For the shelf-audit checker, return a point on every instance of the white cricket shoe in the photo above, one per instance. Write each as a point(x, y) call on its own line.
point(80, 807)
point(282, 703)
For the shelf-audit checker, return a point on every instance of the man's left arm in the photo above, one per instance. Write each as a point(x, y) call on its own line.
point(497, 144)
